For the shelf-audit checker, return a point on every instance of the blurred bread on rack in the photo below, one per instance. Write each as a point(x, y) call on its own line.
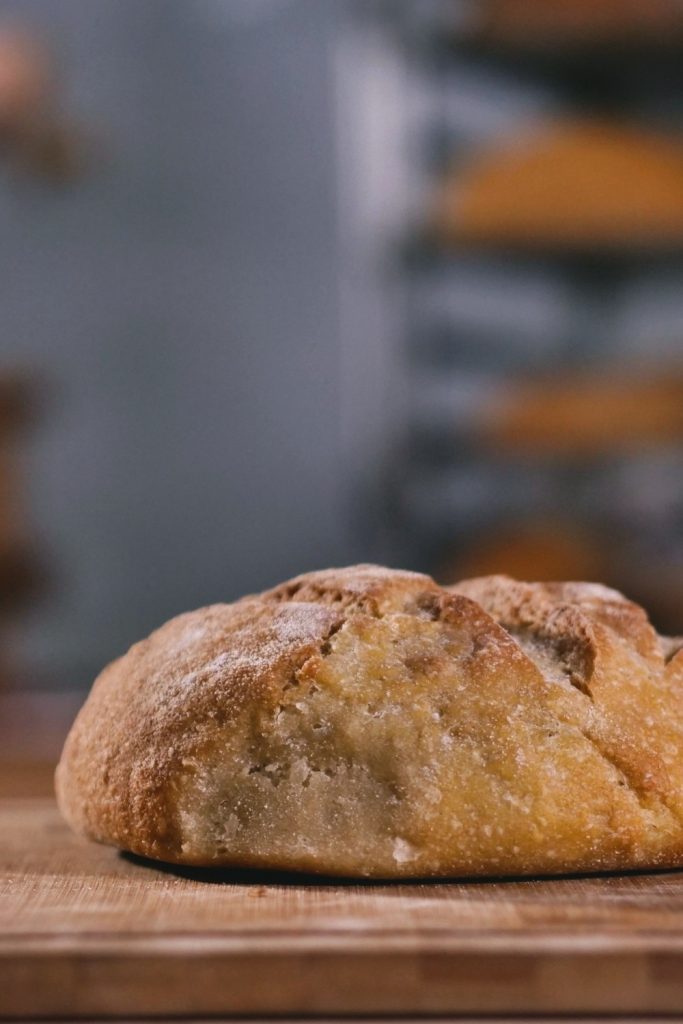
point(547, 550)
point(15, 406)
point(19, 573)
point(530, 22)
point(36, 137)
point(534, 550)
point(585, 415)
point(575, 184)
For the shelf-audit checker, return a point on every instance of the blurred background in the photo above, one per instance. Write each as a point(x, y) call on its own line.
point(292, 283)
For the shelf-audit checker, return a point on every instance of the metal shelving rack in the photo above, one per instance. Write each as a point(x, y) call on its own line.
point(440, 360)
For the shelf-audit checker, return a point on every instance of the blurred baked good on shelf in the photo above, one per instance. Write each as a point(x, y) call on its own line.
point(588, 415)
point(546, 550)
point(539, 549)
point(19, 569)
point(16, 400)
point(571, 184)
point(35, 136)
point(27, 78)
point(16, 406)
point(529, 22)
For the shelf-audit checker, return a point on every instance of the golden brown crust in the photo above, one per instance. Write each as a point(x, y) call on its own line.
point(372, 588)
point(154, 708)
point(606, 648)
point(365, 721)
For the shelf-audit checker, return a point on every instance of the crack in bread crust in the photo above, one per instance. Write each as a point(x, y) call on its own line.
point(605, 646)
point(369, 722)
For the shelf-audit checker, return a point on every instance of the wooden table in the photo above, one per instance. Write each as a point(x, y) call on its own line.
point(87, 932)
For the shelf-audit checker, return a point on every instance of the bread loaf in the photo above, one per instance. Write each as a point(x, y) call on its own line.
point(368, 722)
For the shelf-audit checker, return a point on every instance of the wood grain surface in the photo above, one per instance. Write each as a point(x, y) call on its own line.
point(86, 931)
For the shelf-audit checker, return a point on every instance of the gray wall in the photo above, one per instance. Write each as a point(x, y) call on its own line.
point(181, 303)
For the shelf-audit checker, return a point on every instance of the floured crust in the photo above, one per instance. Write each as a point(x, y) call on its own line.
point(368, 722)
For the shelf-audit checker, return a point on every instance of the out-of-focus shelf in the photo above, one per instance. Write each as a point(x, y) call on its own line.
point(422, 251)
point(553, 40)
point(567, 60)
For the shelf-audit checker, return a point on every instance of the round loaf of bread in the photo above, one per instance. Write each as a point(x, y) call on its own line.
point(368, 722)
